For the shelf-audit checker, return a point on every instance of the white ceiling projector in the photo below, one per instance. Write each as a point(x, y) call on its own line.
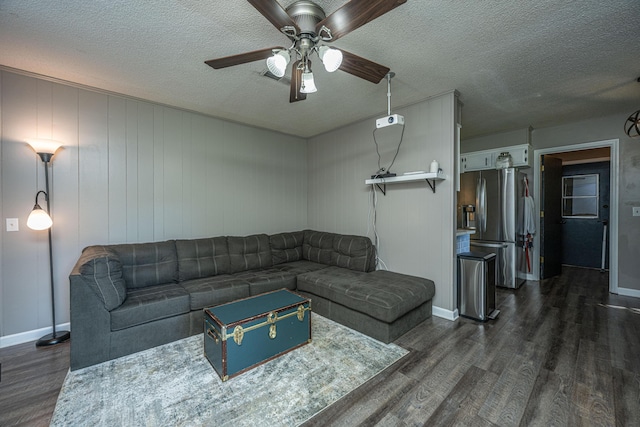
point(394, 119)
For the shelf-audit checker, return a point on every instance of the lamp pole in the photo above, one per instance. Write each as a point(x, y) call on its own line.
point(61, 336)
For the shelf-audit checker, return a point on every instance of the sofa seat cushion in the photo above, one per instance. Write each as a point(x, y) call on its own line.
point(149, 304)
point(300, 267)
point(249, 253)
point(211, 291)
point(383, 295)
point(261, 281)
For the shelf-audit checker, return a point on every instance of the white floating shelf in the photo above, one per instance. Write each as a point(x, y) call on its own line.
point(435, 176)
point(430, 177)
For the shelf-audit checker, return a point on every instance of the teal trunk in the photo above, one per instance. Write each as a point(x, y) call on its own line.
point(243, 334)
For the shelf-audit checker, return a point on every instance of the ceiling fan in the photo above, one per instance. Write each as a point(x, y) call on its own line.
point(308, 28)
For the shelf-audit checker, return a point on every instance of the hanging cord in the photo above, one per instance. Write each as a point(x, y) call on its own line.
point(372, 219)
point(380, 168)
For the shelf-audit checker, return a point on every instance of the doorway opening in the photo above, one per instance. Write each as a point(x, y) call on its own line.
point(576, 196)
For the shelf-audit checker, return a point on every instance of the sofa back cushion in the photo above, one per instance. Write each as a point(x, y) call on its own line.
point(317, 246)
point(353, 252)
point(249, 253)
point(102, 270)
point(148, 264)
point(199, 258)
point(286, 247)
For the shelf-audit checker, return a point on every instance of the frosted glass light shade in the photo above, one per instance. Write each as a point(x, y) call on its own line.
point(331, 58)
point(308, 85)
point(47, 146)
point(39, 219)
point(277, 64)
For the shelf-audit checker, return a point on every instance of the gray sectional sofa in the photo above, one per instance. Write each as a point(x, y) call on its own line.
point(130, 297)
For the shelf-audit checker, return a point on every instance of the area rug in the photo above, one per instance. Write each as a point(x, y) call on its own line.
point(174, 384)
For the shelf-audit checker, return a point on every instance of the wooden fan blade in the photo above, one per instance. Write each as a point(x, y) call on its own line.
point(242, 58)
point(354, 14)
point(272, 10)
point(363, 68)
point(296, 81)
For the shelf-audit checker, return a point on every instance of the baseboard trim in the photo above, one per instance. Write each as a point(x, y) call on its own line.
point(33, 335)
point(629, 292)
point(444, 313)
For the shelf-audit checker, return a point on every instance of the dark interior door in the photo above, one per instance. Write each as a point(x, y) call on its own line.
point(551, 217)
point(582, 237)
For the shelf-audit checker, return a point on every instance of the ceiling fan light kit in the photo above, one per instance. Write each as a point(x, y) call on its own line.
point(308, 85)
point(277, 64)
point(331, 58)
point(307, 27)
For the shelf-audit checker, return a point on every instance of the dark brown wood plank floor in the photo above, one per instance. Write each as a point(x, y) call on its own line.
point(563, 352)
point(30, 383)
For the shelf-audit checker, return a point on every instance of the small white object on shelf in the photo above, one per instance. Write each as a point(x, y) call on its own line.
point(434, 167)
point(413, 173)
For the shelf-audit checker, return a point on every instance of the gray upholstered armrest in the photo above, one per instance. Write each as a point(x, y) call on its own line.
point(101, 270)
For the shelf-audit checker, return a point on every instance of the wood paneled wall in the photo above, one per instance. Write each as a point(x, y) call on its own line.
point(416, 227)
point(129, 171)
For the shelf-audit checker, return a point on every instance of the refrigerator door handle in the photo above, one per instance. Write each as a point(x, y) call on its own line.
point(504, 195)
point(479, 213)
point(483, 205)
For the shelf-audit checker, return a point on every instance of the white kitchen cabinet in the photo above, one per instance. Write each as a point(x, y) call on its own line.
point(521, 155)
point(486, 159)
point(478, 160)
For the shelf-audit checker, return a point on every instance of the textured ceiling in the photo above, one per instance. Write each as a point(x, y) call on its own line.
point(516, 63)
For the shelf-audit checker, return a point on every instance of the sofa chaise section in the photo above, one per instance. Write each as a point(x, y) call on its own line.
point(381, 304)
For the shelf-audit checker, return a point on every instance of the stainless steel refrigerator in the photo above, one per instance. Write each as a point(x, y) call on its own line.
point(498, 217)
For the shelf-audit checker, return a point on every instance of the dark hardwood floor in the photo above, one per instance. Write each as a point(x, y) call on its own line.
point(563, 352)
point(30, 383)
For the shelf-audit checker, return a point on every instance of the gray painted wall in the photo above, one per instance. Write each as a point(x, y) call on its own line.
point(497, 140)
point(416, 227)
point(130, 171)
point(600, 129)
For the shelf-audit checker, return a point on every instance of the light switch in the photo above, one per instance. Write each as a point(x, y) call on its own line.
point(636, 210)
point(12, 224)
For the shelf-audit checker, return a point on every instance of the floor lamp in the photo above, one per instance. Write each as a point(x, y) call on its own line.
point(40, 219)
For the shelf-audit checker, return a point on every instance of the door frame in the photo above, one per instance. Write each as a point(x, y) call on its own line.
point(614, 146)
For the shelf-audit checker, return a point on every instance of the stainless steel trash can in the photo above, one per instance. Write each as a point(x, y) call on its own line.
point(477, 285)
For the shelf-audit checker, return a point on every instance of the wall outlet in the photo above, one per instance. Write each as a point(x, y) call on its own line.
point(12, 224)
point(636, 210)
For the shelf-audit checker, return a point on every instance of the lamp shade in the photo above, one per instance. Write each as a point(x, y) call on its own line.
point(331, 58)
point(46, 146)
point(308, 85)
point(277, 64)
point(39, 219)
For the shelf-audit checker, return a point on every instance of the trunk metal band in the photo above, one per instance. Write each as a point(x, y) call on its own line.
point(272, 318)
